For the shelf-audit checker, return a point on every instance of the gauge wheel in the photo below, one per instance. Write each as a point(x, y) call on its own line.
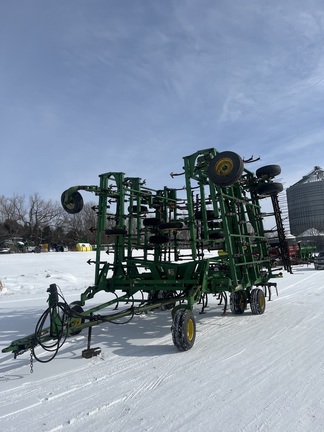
point(225, 168)
point(183, 329)
point(238, 302)
point(268, 189)
point(75, 319)
point(268, 171)
point(72, 203)
point(257, 301)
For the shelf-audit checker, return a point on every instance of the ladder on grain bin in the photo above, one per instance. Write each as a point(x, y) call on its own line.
point(171, 248)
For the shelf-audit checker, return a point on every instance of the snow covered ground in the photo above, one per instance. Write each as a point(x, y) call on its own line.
point(245, 372)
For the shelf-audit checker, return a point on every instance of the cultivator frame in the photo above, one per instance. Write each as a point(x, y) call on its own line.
point(171, 249)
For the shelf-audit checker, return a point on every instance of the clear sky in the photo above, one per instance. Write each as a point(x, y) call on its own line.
point(91, 86)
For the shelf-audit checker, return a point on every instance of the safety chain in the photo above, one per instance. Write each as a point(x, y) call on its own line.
point(31, 361)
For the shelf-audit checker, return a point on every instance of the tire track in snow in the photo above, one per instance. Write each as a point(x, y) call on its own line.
point(143, 386)
point(62, 391)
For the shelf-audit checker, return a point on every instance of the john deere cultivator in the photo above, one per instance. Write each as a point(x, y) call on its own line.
point(171, 249)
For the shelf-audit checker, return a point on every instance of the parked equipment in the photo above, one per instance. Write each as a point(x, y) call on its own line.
point(171, 249)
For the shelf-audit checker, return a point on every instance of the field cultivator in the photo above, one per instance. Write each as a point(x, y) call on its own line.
point(171, 249)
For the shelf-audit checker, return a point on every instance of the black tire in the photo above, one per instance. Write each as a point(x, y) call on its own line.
point(268, 189)
point(73, 203)
point(238, 302)
point(171, 226)
point(225, 168)
point(135, 209)
point(159, 239)
point(151, 222)
point(257, 301)
point(268, 171)
point(76, 320)
point(183, 329)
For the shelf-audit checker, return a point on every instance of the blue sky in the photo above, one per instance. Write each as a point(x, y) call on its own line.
point(91, 86)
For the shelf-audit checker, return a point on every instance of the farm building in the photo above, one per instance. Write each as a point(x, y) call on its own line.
point(305, 200)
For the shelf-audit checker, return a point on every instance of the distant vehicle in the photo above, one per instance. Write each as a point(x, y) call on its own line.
point(5, 250)
point(319, 261)
point(35, 249)
point(59, 247)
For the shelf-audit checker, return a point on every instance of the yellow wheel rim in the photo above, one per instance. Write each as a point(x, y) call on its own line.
point(75, 322)
point(224, 166)
point(261, 302)
point(190, 330)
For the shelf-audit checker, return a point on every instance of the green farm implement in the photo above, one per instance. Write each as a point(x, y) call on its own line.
point(170, 249)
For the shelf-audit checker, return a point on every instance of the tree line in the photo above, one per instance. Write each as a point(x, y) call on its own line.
point(36, 221)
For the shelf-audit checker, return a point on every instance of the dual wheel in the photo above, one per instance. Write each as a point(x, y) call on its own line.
point(267, 173)
point(239, 300)
point(184, 326)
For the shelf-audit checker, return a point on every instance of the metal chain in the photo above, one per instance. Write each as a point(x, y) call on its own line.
point(31, 361)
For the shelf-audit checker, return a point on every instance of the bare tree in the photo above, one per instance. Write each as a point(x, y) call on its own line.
point(12, 217)
point(41, 214)
point(41, 221)
point(82, 226)
point(13, 208)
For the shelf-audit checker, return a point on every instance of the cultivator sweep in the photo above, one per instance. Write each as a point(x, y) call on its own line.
point(171, 249)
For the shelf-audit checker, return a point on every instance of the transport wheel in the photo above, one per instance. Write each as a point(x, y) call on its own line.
point(238, 302)
point(257, 302)
point(268, 171)
point(72, 203)
point(75, 321)
point(183, 329)
point(225, 168)
point(269, 189)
